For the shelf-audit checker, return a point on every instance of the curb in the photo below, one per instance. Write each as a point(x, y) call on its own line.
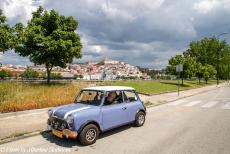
point(4, 115)
point(26, 135)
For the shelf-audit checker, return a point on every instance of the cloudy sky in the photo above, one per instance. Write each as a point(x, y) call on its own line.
point(142, 32)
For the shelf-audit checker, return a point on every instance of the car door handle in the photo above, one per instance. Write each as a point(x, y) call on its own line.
point(124, 108)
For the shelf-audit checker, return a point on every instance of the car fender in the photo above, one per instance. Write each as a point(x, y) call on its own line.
point(89, 122)
point(141, 110)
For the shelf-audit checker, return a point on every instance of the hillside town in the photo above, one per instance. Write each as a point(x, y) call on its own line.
point(106, 69)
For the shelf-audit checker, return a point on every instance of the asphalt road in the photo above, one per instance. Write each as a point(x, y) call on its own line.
point(195, 125)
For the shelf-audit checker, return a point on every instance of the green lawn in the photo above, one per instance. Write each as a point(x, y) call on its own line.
point(156, 86)
point(18, 96)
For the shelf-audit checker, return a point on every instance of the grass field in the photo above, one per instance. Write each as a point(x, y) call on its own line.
point(18, 96)
point(156, 86)
point(24, 96)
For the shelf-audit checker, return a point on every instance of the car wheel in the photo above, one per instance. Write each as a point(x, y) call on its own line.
point(89, 134)
point(140, 119)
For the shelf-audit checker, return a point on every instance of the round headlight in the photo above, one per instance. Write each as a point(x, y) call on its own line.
point(50, 112)
point(70, 119)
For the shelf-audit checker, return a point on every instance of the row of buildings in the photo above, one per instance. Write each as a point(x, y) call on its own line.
point(107, 69)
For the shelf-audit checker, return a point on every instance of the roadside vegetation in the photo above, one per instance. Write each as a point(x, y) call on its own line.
point(18, 96)
point(204, 59)
point(158, 86)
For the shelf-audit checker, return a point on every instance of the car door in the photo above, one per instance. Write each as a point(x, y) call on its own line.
point(114, 114)
point(132, 104)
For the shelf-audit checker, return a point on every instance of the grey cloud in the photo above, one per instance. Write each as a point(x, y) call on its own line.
point(10, 57)
point(143, 33)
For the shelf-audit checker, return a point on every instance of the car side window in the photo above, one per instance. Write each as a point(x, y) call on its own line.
point(90, 97)
point(130, 96)
point(113, 97)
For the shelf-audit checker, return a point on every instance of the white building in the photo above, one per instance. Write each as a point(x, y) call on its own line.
point(96, 76)
point(110, 61)
point(67, 74)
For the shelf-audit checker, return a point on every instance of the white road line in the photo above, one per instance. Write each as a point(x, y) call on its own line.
point(177, 102)
point(210, 104)
point(192, 103)
point(226, 106)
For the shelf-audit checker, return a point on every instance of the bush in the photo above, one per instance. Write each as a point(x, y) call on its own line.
point(4, 74)
point(52, 76)
point(29, 73)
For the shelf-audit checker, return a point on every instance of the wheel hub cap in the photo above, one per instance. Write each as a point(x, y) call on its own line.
point(91, 135)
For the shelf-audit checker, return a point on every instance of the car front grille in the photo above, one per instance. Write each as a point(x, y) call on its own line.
point(57, 123)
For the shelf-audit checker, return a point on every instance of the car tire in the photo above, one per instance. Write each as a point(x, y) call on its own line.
point(89, 134)
point(140, 119)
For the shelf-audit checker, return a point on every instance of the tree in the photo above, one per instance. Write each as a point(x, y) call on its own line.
point(208, 72)
point(49, 39)
point(173, 61)
point(189, 66)
point(211, 51)
point(199, 71)
point(29, 73)
point(6, 37)
point(4, 74)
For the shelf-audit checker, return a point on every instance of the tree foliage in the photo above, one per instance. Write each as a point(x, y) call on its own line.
point(189, 66)
point(203, 59)
point(6, 36)
point(49, 39)
point(4, 74)
point(208, 72)
point(211, 51)
point(29, 73)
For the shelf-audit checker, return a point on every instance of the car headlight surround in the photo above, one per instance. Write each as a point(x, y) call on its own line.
point(70, 119)
point(50, 112)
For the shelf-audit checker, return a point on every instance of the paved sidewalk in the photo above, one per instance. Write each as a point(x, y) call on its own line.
point(16, 124)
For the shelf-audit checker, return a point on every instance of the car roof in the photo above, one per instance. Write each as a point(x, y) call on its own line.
point(109, 88)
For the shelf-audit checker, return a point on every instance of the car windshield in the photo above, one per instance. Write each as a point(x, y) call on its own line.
point(90, 97)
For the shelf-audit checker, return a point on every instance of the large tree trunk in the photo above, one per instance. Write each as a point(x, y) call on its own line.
point(48, 71)
point(182, 79)
point(48, 76)
point(199, 80)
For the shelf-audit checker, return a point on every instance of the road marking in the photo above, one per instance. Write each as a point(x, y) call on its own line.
point(192, 103)
point(226, 106)
point(210, 104)
point(177, 102)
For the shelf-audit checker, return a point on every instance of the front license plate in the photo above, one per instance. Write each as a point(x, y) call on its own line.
point(57, 133)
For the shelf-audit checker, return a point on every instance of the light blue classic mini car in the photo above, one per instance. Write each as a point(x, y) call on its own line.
point(95, 110)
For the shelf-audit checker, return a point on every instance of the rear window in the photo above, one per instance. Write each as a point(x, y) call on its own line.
point(130, 96)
